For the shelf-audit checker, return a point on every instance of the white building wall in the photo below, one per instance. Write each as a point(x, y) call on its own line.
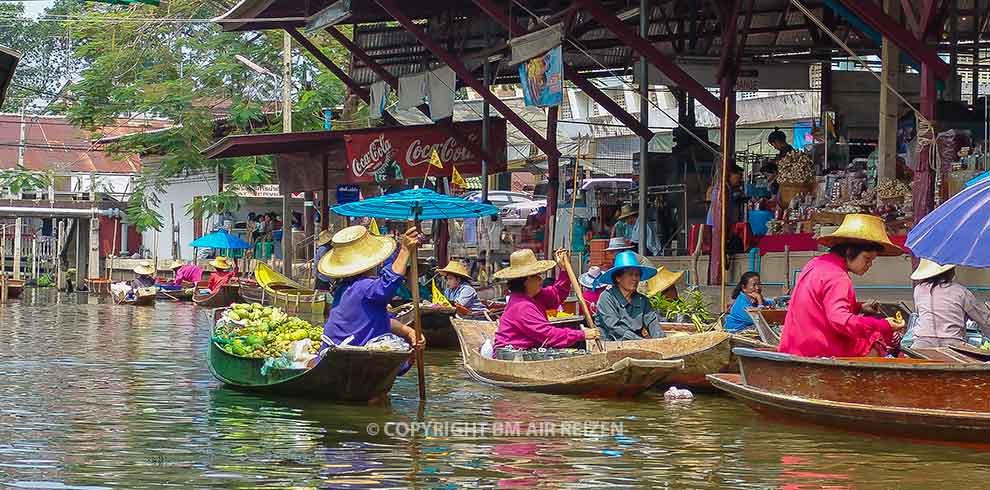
point(180, 192)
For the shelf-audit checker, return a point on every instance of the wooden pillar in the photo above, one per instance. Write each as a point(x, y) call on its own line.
point(924, 181)
point(553, 181)
point(287, 249)
point(889, 103)
point(644, 119)
point(17, 249)
point(82, 254)
point(309, 229)
point(443, 230)
point(57, 253)
point(94, 269)
point(716, 265)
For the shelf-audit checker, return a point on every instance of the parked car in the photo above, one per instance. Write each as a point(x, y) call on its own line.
point(500, 199)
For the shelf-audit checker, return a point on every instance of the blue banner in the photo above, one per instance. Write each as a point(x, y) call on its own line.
point(542, 79)
point(348, 193)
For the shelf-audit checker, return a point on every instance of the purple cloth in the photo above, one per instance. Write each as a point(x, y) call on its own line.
point(361, 310)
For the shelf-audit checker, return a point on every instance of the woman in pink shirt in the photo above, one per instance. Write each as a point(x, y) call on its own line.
point(524, 323)
point(823, 318)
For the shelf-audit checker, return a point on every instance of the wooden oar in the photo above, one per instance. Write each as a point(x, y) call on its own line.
point(418, 320)
point(576, 286)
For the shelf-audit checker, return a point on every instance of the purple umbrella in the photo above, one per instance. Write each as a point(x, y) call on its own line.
point(958, 231)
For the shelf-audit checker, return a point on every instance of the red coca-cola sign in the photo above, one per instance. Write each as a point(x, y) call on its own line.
point(391, 154)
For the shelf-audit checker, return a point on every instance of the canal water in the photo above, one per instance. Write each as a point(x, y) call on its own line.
point(94, 396)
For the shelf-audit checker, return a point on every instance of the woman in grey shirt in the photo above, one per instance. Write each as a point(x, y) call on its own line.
point(943, 307)
point(623, 312)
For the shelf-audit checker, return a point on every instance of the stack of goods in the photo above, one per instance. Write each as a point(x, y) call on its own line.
point(256, 331)
point(895, 200)
point(598, 254)
point(797, 176)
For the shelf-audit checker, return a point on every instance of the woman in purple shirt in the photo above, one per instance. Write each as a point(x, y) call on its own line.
point(362, 294)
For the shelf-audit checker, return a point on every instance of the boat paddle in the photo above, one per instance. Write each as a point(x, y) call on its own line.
point(417, 317)
point(576, 286)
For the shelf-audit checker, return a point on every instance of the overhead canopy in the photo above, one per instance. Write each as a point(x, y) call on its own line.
point(254, 15)
point(8, 62)
point(246, 145)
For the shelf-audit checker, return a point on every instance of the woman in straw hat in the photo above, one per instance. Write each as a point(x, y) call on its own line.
point(185, 272)
point(624, 222)
point(824, 319)
point(323, 282)
point(944, 306)
point(364, 289)
point(623, 312)
point(524, 323)
point(144, 276)
point(224, 272)
point(457, 289)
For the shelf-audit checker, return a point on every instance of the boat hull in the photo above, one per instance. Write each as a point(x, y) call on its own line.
point(703, 354)
point(437, 327)
point(906, 383)
point(349, 375)
point(621, 373)
point(221, 298)
point(926, 424)
point(14, 288)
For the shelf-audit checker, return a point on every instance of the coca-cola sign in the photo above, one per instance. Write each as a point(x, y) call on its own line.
point(390, 154)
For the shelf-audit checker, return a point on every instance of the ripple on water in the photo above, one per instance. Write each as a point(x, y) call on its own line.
point(95, 396)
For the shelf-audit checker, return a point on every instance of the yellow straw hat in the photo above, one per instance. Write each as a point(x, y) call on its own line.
point(324, 238)
point(928, 269)
point(627, 211)
point(523, 263)
point(457, 269)
point(221, 262)
point(355, 251)
point(144, 269)
point(175, 264)
point(862, 228)
point(660, 282)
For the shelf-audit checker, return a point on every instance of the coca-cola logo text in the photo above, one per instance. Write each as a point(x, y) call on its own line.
point(449, 150)
point(378, 152)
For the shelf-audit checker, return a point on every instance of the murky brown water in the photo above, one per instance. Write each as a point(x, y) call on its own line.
point(95, 396)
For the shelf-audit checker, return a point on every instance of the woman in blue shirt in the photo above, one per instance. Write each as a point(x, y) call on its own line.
point(748, 294)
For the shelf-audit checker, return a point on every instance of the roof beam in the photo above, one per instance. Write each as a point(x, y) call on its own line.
point(873, 15)
point(328, 63)
point(910, 16)
point(368, 61)
point(653, 55)
point(391, 7)
point(571, 74)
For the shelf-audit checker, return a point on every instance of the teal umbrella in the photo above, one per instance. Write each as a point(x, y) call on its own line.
point(415, 204)
point(220, 239)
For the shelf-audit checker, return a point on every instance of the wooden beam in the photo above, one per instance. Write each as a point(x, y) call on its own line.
point(391, 7)
point(911, 17)
point(368, 61)
point(328, 63)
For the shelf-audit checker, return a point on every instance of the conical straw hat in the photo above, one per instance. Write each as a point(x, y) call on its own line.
point(523, 263)
point(928, 269)
point(660, 282)
point(455, 268)
point(354, 252)
point(221, 263)
point(144, 269)
point(862, 228)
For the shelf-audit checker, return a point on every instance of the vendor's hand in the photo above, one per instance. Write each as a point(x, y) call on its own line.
point(562, 256)
point(591, 333)
point(410, 239)
point(871, 307)
point(896, 325)
point(411, 336)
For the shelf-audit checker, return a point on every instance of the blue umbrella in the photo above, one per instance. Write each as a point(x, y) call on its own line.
point(958, 231)
point(417, 204)
point(220, 239)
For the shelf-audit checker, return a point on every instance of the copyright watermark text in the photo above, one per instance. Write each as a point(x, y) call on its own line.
point(588, 428)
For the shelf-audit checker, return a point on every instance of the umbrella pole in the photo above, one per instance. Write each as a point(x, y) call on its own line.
point(414, 287)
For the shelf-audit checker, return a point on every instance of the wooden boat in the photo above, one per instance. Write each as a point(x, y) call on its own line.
point(221, 298)
point(15, 288)
point(98, 285)
point(768, 323)
point(142, 297)
point(620, 373)
point(703, 354)
point(275, 289)
point(437, 329)
point(911, 397)
point(185, 294)
point(352, 374)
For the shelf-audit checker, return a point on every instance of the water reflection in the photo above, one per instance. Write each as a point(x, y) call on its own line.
point(98, 396)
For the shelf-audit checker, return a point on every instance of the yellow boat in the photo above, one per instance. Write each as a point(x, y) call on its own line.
point(277, 290)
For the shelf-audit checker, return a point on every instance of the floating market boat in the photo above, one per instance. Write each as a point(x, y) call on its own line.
point(703, 354)
point(437, 328)
point(142, 297)
point(768, 323)
point(221, 298)
point(344, 374)
point(620, 373)
point(906, 397)
point(15, 287)
point(274, 289)
point(184, 294)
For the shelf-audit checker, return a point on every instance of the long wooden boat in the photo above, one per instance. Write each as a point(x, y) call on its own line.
point(274, 289)
point(142, 297)
point(15, 287)
point(621, 373)
point(351, 374)
point(437, 328)
point(768, 323)
point(185, 294)
point(221, 298)
point(911, 397)
point(98, 285)
point(703, 354)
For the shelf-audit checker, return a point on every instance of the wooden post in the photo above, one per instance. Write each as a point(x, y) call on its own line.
point(287, 249)
point(34, 257)
point(94, 248)
point(889, 104)
point(17, 249)
point(418, 325)
point(57, 256)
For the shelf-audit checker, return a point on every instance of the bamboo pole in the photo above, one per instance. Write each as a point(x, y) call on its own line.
point(418, 323)
point(573, 209)
point(17, 249)
point(722, 197)
point(576, 286)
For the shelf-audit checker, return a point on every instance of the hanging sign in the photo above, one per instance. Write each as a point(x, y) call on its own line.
point(542, 79)
point(348, 193)
point(398, 153)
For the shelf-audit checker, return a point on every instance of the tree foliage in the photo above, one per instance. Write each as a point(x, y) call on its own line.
point(47, 62)
point(182, 69)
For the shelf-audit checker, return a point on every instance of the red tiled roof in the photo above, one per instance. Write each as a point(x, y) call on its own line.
point(53, 143)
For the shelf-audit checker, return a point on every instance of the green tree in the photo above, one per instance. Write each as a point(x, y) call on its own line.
point(182, 69)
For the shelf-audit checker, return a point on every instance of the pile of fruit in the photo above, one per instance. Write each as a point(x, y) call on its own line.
point(253, 330)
